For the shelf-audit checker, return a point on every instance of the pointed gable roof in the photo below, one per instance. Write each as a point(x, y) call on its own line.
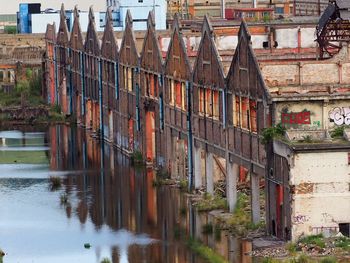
point(63, 35)
point(92, 43)
point(128, 54)
point(208, 69)
point(50, 34)
point(76, 38)
point(244, 76)
point(109, 48)
point(151, 57)
point(177, 48)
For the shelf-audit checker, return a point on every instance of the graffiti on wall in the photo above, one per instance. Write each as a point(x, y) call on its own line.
point(296, 117)
point(340, 115)
point(300, 219)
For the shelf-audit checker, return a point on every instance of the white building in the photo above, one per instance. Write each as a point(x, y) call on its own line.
point(11, 7)
point(139, 10)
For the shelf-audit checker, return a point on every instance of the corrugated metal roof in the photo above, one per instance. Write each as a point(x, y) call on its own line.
point(327, 14)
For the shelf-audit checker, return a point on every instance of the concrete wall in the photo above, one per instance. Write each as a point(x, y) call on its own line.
point(281, 74)
point(313, 115)
point(322, 197)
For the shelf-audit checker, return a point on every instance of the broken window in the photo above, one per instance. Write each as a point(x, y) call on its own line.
point(172, 92)
point(178, 94)
point(245, 113)
point(216, 113)
point(236, 111)
point(183, 96)
point(201, 101)
point(253, 121)
point(125, 78)
point(209, 103)
point(344, 228)
point(130, 79)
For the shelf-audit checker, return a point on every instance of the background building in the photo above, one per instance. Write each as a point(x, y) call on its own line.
point(11, 7)
point(33, 19)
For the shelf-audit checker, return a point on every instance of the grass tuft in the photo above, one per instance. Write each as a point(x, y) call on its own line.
point(209, 202)
point(205, 252)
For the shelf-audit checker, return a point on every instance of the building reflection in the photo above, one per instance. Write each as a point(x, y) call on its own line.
point(110, 192)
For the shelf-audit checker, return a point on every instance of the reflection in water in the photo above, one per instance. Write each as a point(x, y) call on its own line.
point(110, 205)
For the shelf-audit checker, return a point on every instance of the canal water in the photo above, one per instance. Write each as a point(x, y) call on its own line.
point(105, 207)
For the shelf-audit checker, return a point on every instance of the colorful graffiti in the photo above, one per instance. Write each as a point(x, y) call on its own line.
point(296, 117)
point(340, 115)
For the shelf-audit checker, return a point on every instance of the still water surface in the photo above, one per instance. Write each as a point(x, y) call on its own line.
point(111, 206)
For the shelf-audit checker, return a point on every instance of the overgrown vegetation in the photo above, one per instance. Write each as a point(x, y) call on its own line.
point(342, 242)
point(162, 178)
point(338, 131)
point(137, 158)
point(271, 133)
point(316, 240)
point(55, 113)
point(183, 185)
point(210, 202)
point(106, 260)
point(207, 229)
point(10, 29)
point(2, 254)
point(205, 252)
point(240, 222)
point(26, 91)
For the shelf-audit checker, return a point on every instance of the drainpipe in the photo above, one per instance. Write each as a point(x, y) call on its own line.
point(100, 96)
point(70, 90)
point(161, 103)
point(223, 9)
point(82, 80)
point(116, 80)
point(56, 75)
point(138, 126)
point(189, 135)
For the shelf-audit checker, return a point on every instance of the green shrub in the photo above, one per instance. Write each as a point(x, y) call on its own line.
point(205, 252)
point(207, 229)
point(273, 132)
point(209, 202)
point(338, 131)
point(10, 29)
point(329, 260)
point(317, 240)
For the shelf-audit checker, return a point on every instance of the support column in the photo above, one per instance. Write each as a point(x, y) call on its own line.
point(197, 167)
point(209, 173)
point(232, 172)
point(255, 197)
point(174, 163)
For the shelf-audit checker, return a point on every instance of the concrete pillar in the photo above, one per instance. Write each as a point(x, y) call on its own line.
point(255, 197)
point(197, 167)
point(174, 160)
point(209, 173)
point(232, 171)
